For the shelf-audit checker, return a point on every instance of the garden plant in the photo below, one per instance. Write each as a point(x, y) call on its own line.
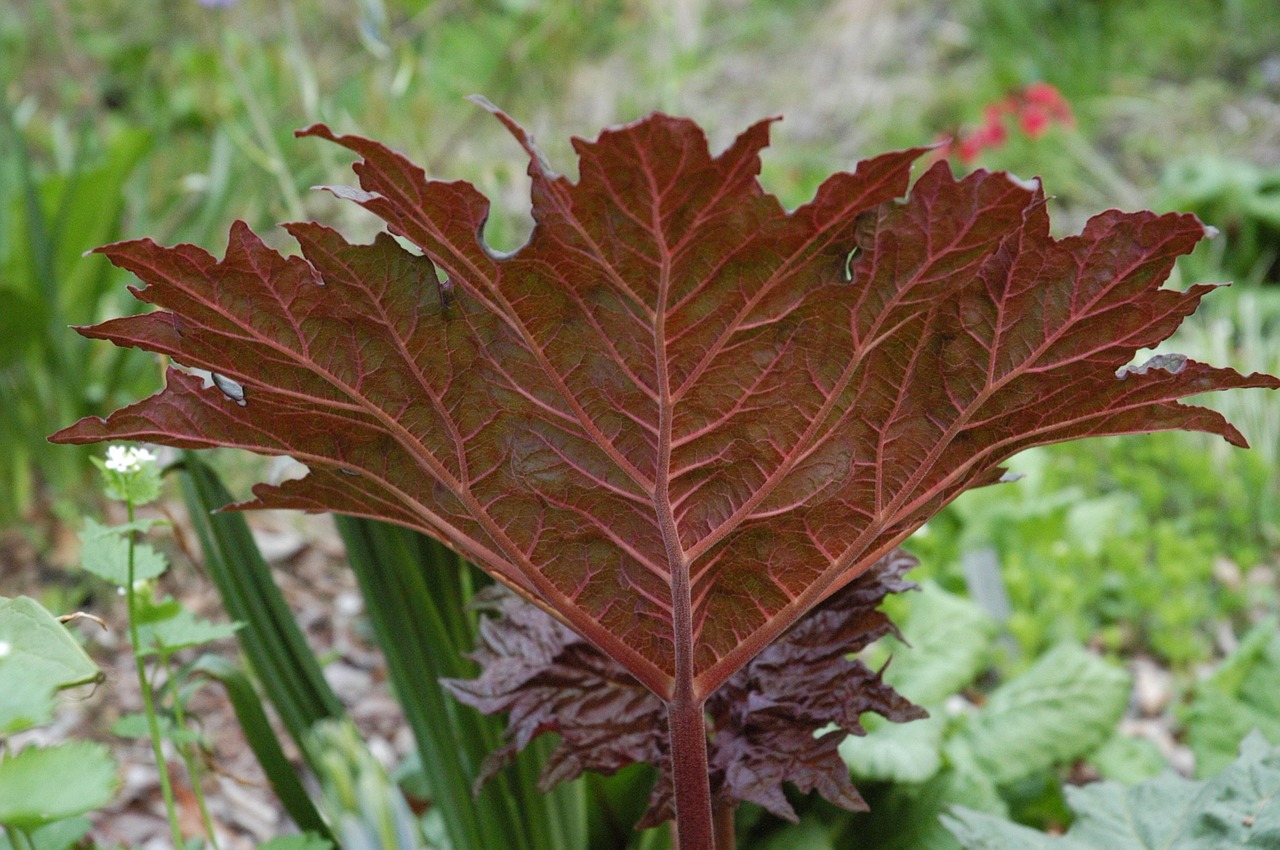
point(688, 427)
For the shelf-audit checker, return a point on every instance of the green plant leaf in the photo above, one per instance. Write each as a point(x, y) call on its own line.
point(271, 640)
point(906, 818)
point(806, 835)
point(1242, 695)
point(1064, 706)
point(264, 742)
point(104, 551)
point(135, 726)
point(41, 657)
point(22, 323)
point(950, 641)
point(61, 834)
point(182, 630)
point(41, 785)
point(896, 752)
point(1237, 810)
point(65, 834)
point(1128, 760)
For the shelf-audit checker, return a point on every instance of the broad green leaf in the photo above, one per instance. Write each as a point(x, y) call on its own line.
point(60, 835)
point(1242, 695)
point(906, 818)
point(1128, 760)
point(950, 640)
point(40, 785)
point(180, 630)
point(135, 726)
point(40, 656)
point(1065, 705)
point(809, 834)
point(896, 752)
point(104, 551)
point(1237, 810)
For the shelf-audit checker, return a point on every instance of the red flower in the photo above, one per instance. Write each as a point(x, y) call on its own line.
point(1050, 100)
point(1036, 108)
point(1034, 120)
point(969, 148)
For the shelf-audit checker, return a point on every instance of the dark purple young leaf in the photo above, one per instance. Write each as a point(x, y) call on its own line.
point(762, 722)
point(680, 416)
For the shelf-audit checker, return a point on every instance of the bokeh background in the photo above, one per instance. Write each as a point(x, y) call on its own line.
point(125, 118)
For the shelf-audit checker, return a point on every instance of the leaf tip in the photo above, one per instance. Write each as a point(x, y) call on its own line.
point(484, 103)
point(318, 129)
point(348, 193)
point(76, 432)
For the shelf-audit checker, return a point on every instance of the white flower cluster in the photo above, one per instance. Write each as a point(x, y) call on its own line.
point(121, 459)
point(5, 648)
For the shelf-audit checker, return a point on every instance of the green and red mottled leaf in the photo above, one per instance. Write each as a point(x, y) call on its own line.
point(764, 722)
point(680, 416)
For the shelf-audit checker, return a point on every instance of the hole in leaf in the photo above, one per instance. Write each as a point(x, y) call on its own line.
point(231, 389)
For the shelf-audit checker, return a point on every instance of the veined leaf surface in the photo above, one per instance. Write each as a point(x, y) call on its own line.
point(680, 416)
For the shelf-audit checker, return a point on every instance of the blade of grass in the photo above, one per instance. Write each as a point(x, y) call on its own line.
point(420, 648)
point(270, 639)
point(263, 741)
point(425, 631)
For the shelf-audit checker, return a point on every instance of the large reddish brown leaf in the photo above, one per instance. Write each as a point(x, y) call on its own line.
point(764, 723)
point(679, 416)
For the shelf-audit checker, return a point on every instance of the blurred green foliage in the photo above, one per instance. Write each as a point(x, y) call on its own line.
point(1118, 541)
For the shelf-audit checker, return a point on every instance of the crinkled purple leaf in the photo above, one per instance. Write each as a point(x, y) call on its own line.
point(762, 723)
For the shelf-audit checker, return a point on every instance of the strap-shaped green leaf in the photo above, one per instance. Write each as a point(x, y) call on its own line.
point(270, 639)
point(262, 739)
point(424, 631)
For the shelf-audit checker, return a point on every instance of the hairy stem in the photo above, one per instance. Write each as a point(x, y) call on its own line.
point(190, 757)
point(148, 698)
point(694, 829)
point(723, 815)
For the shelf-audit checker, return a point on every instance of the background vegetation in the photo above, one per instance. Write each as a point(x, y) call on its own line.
point(121, 118)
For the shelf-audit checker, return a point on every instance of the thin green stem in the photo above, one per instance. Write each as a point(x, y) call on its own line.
point(187, 752)
point(148, 698)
